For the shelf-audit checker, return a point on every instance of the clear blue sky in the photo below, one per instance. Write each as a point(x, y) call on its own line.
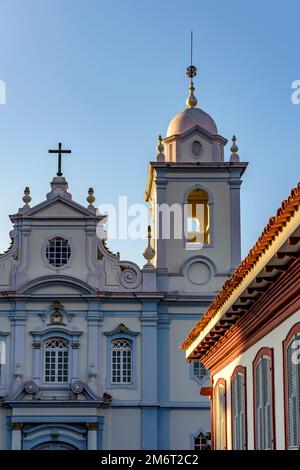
point(105, 77)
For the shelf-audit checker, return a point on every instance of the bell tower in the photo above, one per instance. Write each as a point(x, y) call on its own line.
point(194, 197)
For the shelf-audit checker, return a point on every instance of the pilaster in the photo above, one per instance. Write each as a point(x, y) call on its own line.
point(235, 218)
point(94, 333)
point(149, 375)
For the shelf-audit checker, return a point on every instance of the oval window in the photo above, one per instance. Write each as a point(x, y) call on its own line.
point(58, 252)
point(196, 148)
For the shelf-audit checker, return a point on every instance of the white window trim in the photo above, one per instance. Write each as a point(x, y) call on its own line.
point(66, 349)
point(198, 380)
point(122, 382)
point(39, 338)
point(111, 336)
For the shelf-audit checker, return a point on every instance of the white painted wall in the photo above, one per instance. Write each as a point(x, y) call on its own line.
point(272, 340)
point(179, 438)
point(122, 428)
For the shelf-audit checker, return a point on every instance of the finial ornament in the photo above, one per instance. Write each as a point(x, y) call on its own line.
point(234, 149)
point(160, 157)
point(191, 100)
point(91, 198)
point(26, 197)
point(191, 72)
point(149, 252)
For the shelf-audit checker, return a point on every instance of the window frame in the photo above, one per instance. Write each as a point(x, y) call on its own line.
point(239, 370)
point(264, 352)
point(56, 382)
point(192, 246)
point(220, 382)
point(285, 344)
point(112, 350)
point(110, 337)
point(39, 337)
point(44, 249)
point(195, 435)
point(197, 379)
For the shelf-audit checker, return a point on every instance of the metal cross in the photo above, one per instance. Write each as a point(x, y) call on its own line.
point(191, 71)
point(59, 151)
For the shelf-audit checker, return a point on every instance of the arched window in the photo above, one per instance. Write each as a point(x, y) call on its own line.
point(238, 409)
point(197, 217)
point(121, 361)
point(291, 349)
point(219, 415)
point(264, 400)
point(56, 360)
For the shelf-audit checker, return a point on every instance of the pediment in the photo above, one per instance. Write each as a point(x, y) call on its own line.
point(198, 131)
point(58, 207)
point(78, 392)
point(48, 285)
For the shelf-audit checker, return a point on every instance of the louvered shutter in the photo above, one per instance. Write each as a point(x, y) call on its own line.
point(216, 418)
point(258, 411)
point(263, 389)
point(235, 414)
point(293, 397)
point(219, 418)
point(222, 417)
point(238, 412)
point(241, 408)
point(267, 403)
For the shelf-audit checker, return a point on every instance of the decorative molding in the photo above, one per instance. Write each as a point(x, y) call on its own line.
point(119, 330)
point(77, 387)
point(17, 426)
point(52, 331)
point(91, 426)
point(186, 267)
point(78, 284)
point(119, 333)
point(130, 276)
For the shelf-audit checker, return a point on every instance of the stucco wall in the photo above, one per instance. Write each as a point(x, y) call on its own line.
point(272, 340)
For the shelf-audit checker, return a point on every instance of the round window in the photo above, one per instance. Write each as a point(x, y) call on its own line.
point(58, 252)
point(196, 148)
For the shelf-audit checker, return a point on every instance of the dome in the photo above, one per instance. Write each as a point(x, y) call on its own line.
point(189, 118)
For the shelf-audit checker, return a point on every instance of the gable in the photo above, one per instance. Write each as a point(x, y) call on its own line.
point(58, 209)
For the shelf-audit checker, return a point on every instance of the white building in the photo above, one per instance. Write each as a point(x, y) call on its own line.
point(249, 339)
point(90, 354)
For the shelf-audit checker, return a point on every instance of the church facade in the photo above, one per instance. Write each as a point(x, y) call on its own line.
point(89, 343)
